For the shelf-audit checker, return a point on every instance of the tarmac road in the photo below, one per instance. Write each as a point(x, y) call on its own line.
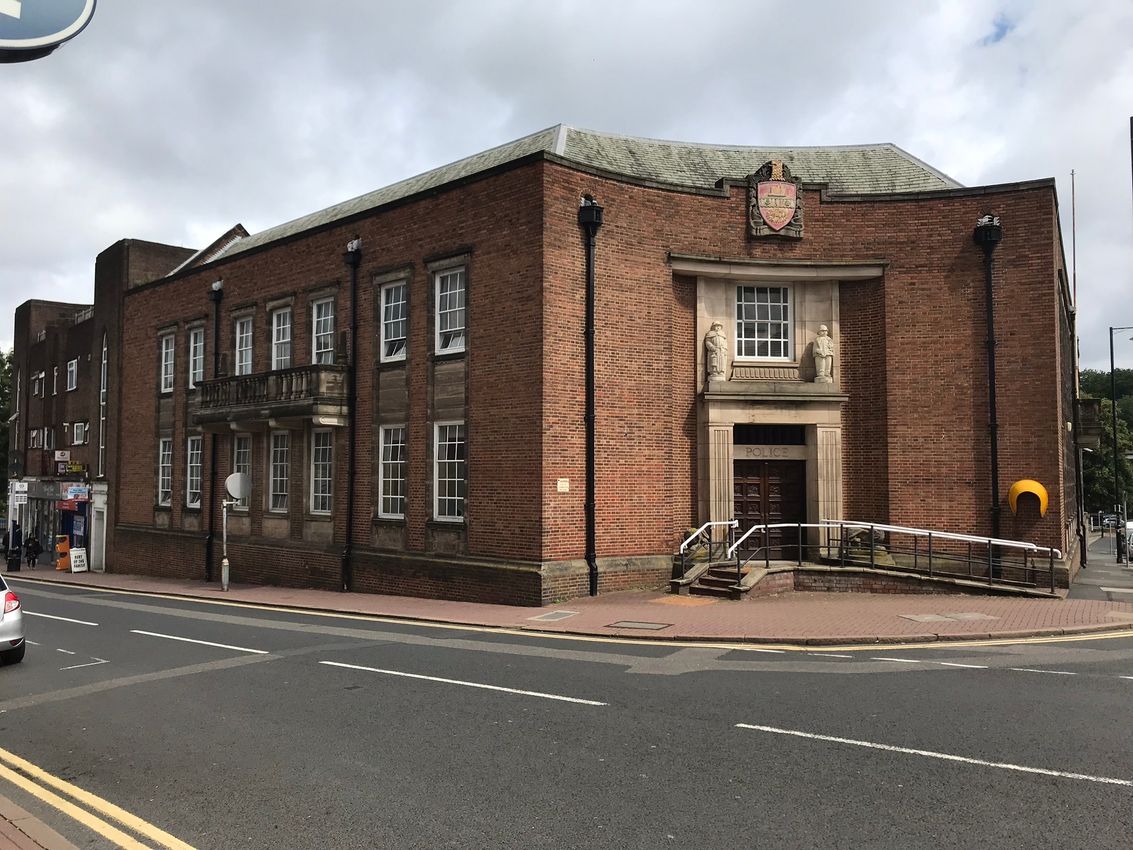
point(228, 727)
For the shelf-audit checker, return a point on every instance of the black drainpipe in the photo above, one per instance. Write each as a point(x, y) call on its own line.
point(590, 219)
point(216, 294)
point(353, 258)
point(987, 235)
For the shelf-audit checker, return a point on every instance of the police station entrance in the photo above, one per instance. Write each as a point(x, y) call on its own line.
point(769, 485)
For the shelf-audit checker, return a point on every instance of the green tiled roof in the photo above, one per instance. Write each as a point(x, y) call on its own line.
point(850, 169)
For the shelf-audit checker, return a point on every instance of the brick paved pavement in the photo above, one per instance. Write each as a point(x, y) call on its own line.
point(801, 618)
point(21, 831)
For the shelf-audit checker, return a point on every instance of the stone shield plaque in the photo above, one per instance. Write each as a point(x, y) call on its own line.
point(775, 202)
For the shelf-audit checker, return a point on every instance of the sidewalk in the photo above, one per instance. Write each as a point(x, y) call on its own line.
point(20, 831)
point(792, 618)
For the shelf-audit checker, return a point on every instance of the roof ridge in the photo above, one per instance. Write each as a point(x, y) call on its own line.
point(729, 147)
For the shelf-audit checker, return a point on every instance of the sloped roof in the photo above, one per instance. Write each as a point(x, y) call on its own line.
point(850, 169)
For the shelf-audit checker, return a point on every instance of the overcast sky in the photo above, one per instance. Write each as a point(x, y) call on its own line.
point(172, 121)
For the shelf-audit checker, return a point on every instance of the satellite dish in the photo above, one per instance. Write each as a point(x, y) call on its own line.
point(238, 485)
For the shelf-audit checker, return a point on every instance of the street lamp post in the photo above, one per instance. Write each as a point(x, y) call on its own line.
point(1118, 502)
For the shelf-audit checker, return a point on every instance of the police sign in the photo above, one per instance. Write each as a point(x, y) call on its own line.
point(30, 29)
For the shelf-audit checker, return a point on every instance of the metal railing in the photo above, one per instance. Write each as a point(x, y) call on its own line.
point(705, 541)
point(942, 554)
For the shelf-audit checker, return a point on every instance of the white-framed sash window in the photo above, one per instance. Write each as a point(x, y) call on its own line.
point(196, 356)
point(193, 473)
point(165, 471)
point(450, 318)
point(391, 472)
point(281, 338)
point(322, 336)
point(322, 470)
point(395, 320)
point(449, 471)
point(763, 322)
point(279, 460)
point(167, 343)
point(242, 462)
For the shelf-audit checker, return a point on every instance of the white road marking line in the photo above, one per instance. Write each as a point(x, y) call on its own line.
point(65, 651)
point(53, 617)
point(94, 663)
point(898, 660)
point(969, 666)
point(201, 642)
point(466, 684)
point(1106, 780)
point(32, 642)
point(829, 655)
point(1032, 670)
point(756, 649)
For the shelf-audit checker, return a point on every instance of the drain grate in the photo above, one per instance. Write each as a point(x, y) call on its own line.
point(637, 624)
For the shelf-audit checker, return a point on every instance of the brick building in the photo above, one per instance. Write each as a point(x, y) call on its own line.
point(403, 376)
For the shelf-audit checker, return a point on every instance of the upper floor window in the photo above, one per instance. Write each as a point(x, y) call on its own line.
point(54, 380)
point(49, 437)
point(244, 346)
point(281, 339)
point(196, 356)
point(394, 320)
point(449, 475)
point(72, 374)
point(193, 473)
point(322, 470)
point(167, 363)
point(35, 436)
point(78, 433)
point(763, 322)
point(322, 338)
point(450, 311)
point(37, 384)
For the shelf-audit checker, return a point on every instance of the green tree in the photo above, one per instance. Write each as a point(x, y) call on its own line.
point(1097, 465)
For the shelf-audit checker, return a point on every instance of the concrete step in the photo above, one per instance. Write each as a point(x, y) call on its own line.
point(708, 590)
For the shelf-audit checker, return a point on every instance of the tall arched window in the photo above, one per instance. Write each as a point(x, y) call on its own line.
point(102, 413)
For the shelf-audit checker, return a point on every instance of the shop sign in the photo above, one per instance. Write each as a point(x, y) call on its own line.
point(19, 486)
point(775, 202)
point(78, 560)
point(20, 498)
point(76, 492)
point(67, 505)
point(76, 468)
point(63, 455)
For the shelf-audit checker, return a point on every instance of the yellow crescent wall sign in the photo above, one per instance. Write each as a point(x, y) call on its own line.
point(1026, 485)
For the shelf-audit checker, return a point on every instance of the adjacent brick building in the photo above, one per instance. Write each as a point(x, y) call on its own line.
point(402, 376)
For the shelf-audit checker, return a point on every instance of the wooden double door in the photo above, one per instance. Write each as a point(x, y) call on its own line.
point(767, 492)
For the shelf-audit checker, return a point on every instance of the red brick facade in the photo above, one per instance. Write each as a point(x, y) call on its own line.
point(912, 368)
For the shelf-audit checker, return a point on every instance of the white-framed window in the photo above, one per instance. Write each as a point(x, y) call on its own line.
point(244, 346)
point(37, 382)
point(449, 471)
point(193, 473)
point(165, 471)
point(167, 342)
point(450, 311)
point(280, 462)
point(72, 374)
point(395, 320)
point(78, 433)
point(49, 437)
point(35, 436)
point(281, 338)
point(196, 356)
point(102, 410)
point(322, 470)
point(242, 462)
point(763, 322)
point(391, 472)
point(54, 380)
point(322, 336)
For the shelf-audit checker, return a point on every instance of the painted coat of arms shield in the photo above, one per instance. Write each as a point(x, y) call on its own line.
point(775, 203)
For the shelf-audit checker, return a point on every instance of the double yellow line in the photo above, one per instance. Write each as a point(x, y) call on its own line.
point(37, 782)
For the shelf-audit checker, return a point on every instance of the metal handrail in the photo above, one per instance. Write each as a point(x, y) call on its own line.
point(995, 562)
point(916, 532)
point(731, 523)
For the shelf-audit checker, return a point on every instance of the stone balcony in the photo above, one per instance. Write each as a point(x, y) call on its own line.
point(284, 398)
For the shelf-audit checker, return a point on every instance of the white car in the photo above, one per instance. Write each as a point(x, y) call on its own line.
point(12, 644)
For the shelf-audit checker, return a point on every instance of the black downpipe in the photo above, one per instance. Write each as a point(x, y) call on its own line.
point(216, 294)
point(353, 258)
point(590, 219)
point(987, 235)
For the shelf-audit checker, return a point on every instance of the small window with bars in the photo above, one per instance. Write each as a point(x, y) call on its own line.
point(763, 322)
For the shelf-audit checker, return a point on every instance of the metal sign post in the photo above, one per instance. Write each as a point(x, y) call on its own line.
point(239, 486)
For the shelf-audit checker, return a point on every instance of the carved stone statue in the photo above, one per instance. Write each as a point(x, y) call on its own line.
point(716, 353)
point(823, 356)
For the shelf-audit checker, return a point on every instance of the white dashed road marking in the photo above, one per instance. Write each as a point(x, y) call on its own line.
point(1106, 780)
point(53, 617)
point(201, 642)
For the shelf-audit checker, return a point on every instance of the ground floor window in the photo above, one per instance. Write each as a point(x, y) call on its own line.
point(391, 474)
point(280, 468)
point(165, 471)
point(449, 471)
point(242, 462)
point(322, 470)
point(193, 473)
